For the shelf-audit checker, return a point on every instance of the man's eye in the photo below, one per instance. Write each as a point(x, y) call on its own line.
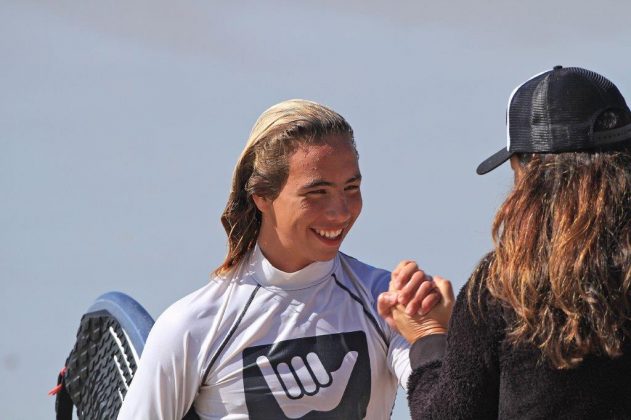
point(352, 188)
point(316, 192)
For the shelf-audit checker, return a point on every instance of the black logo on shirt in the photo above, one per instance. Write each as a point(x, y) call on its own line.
point(323, 377)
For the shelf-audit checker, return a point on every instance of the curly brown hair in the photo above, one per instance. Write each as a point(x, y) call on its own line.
point(562, 257)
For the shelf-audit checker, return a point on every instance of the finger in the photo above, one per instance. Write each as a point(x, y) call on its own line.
point(399, 266)
point(424, 290)
point(385, 302)
point(323, 376)
point(269, 375)
point(403, 276)
point(398, 314)
point(429, 302)
point(409, 290)
point(343, 374)
point(288, 379)
point(304, 375)
point(445, 288)
point(395, 282)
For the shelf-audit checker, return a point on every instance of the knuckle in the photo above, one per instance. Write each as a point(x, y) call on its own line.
point(419, 275)
point(406, 294)
point(402, 264)
point(409, 264)
point(428, 286)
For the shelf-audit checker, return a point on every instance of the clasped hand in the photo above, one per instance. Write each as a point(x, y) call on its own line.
point(416, 304)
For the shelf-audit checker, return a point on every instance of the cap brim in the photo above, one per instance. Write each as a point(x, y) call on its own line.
point(494, 161)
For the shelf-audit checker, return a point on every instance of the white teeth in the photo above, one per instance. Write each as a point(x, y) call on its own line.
point(331, 234)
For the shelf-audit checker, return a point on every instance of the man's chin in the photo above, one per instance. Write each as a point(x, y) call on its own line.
point(327, 255)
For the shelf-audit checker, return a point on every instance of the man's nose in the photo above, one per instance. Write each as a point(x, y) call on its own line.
point(338, 209)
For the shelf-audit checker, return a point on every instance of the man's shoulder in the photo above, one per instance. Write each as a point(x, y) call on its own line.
point(205, 302)
point(364, 268)
point(375, 280)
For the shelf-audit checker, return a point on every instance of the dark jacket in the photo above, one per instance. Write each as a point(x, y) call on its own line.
point(474, 373)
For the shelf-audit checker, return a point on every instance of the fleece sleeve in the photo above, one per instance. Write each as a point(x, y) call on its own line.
point(457, 376)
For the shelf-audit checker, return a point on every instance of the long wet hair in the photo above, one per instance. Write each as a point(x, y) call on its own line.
point(263, 166)
point(562, 254)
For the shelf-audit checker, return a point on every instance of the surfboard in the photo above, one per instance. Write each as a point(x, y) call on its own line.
point(97, 374)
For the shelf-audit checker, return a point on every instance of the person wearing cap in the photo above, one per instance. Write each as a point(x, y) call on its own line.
point(542, 329)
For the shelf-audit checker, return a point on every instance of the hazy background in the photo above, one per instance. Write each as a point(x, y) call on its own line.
point(121, 121)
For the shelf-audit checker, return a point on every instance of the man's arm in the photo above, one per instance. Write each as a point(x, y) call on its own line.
point(168, 375)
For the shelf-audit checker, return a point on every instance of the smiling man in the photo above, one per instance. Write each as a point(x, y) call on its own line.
point(287, 327)
point(316, 207)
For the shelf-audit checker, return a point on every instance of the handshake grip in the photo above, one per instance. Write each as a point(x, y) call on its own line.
point(305, 385)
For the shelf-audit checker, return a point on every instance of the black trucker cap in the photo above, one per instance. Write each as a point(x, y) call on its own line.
point(556, 112)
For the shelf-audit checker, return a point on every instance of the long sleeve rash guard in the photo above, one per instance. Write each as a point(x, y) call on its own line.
point(260, 343)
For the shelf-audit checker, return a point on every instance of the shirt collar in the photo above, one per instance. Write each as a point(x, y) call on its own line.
point(269, 276)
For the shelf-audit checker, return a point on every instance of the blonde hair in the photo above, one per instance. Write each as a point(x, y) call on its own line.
point(262, 168)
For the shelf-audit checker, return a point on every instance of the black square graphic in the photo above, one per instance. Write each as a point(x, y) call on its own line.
point(326, 362)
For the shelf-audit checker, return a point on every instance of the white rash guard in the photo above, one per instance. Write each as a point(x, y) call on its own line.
point(264, 344)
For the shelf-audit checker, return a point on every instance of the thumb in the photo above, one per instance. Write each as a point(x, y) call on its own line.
point(446, 290)
point(385, 302)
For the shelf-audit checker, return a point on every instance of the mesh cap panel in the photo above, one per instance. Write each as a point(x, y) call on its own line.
point(556, 112)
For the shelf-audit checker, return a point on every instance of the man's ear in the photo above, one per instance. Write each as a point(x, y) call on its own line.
point(261, 203)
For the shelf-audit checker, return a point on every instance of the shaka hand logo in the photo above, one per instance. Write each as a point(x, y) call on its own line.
point(305, 380)
point(308, 378)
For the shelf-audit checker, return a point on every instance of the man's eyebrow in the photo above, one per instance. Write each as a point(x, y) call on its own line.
point(356, 178)
point(322, 183)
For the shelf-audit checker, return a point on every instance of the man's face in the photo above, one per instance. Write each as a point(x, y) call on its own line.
point(316, 207)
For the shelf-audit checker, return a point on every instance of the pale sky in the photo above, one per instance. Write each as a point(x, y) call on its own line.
point(121, 121)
